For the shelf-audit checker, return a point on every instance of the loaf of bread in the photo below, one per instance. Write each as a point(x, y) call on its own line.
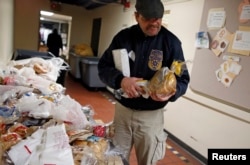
point(19, 128)
point(163, 82)
point(39, 69)
point(9, 139)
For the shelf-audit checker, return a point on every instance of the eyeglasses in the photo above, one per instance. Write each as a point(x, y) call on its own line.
point(148, 19)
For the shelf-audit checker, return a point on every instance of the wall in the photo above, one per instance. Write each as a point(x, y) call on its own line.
point(6, 29)
point(112, 23)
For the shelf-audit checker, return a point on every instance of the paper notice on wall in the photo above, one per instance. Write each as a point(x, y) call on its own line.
point(216, 18)
point(241, 40)
point(244, 12)
point(202, 40)
point(221, 41)
point(227, 72)
point(121, 59)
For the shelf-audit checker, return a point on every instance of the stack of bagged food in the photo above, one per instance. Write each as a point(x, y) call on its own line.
point(82, 49)
point(40, 125)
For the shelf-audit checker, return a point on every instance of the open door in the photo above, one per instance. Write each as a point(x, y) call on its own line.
point(48, 22)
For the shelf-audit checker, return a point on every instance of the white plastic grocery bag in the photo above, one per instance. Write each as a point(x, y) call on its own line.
point(57, 150)
point(69, 111)
point(45, 146)
point(21, 153)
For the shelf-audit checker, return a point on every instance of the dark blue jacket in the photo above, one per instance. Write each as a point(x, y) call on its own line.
point(150, 54)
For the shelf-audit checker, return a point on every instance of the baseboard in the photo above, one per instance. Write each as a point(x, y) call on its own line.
point(186, 147)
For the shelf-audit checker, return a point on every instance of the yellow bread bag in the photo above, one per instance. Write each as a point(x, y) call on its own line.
point(164, 81)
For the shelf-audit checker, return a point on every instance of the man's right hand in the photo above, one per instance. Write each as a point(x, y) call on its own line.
point(129, 86)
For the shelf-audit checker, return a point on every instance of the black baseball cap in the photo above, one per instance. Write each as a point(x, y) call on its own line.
point(150, 8)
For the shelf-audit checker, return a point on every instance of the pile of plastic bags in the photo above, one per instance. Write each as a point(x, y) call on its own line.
point(40, 125)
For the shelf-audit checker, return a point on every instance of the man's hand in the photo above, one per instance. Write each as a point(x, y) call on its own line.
point(160, 97)
point(129, 86)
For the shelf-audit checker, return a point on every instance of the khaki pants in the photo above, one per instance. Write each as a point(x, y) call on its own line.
point(144, 130)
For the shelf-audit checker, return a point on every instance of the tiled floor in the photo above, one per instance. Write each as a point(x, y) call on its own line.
point(103, 104)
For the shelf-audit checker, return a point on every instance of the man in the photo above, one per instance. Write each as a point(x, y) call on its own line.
point(139, 121)
point(54, 43)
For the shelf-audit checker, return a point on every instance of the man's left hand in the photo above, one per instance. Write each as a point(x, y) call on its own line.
point(161, 97)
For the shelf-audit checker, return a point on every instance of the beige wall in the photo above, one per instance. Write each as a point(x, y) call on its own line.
point(6, 30)
point(114, 19)
point(26, 23)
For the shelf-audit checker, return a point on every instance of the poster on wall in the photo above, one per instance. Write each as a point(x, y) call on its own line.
point(216, 18)
point(244, 11)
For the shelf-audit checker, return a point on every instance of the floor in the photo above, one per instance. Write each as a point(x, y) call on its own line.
point(103, 103)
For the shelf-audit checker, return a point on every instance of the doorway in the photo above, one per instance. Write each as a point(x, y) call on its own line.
point(49, 21)
point(96, 27)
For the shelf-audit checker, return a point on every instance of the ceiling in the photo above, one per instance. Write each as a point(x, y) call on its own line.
point(92, 4)
point(87, 4)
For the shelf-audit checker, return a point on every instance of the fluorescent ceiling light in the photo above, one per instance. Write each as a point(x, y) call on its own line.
point(46, 13)
point(41, 18)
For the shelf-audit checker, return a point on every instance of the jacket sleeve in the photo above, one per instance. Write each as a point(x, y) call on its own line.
point(184, 78)
point(182, 84)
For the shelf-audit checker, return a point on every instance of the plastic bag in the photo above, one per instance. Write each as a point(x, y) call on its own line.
point(56, 149)
point(10, 92)
point(21, 153)
point(45, 86)
point(35, 107)
point(69, 110)
point(50, 147)
point(164, 81)
point(46, 68)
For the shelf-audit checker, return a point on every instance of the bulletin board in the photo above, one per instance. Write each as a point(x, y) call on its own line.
point(205, 64)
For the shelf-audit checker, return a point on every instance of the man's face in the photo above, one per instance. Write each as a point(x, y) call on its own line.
point(150, 26)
